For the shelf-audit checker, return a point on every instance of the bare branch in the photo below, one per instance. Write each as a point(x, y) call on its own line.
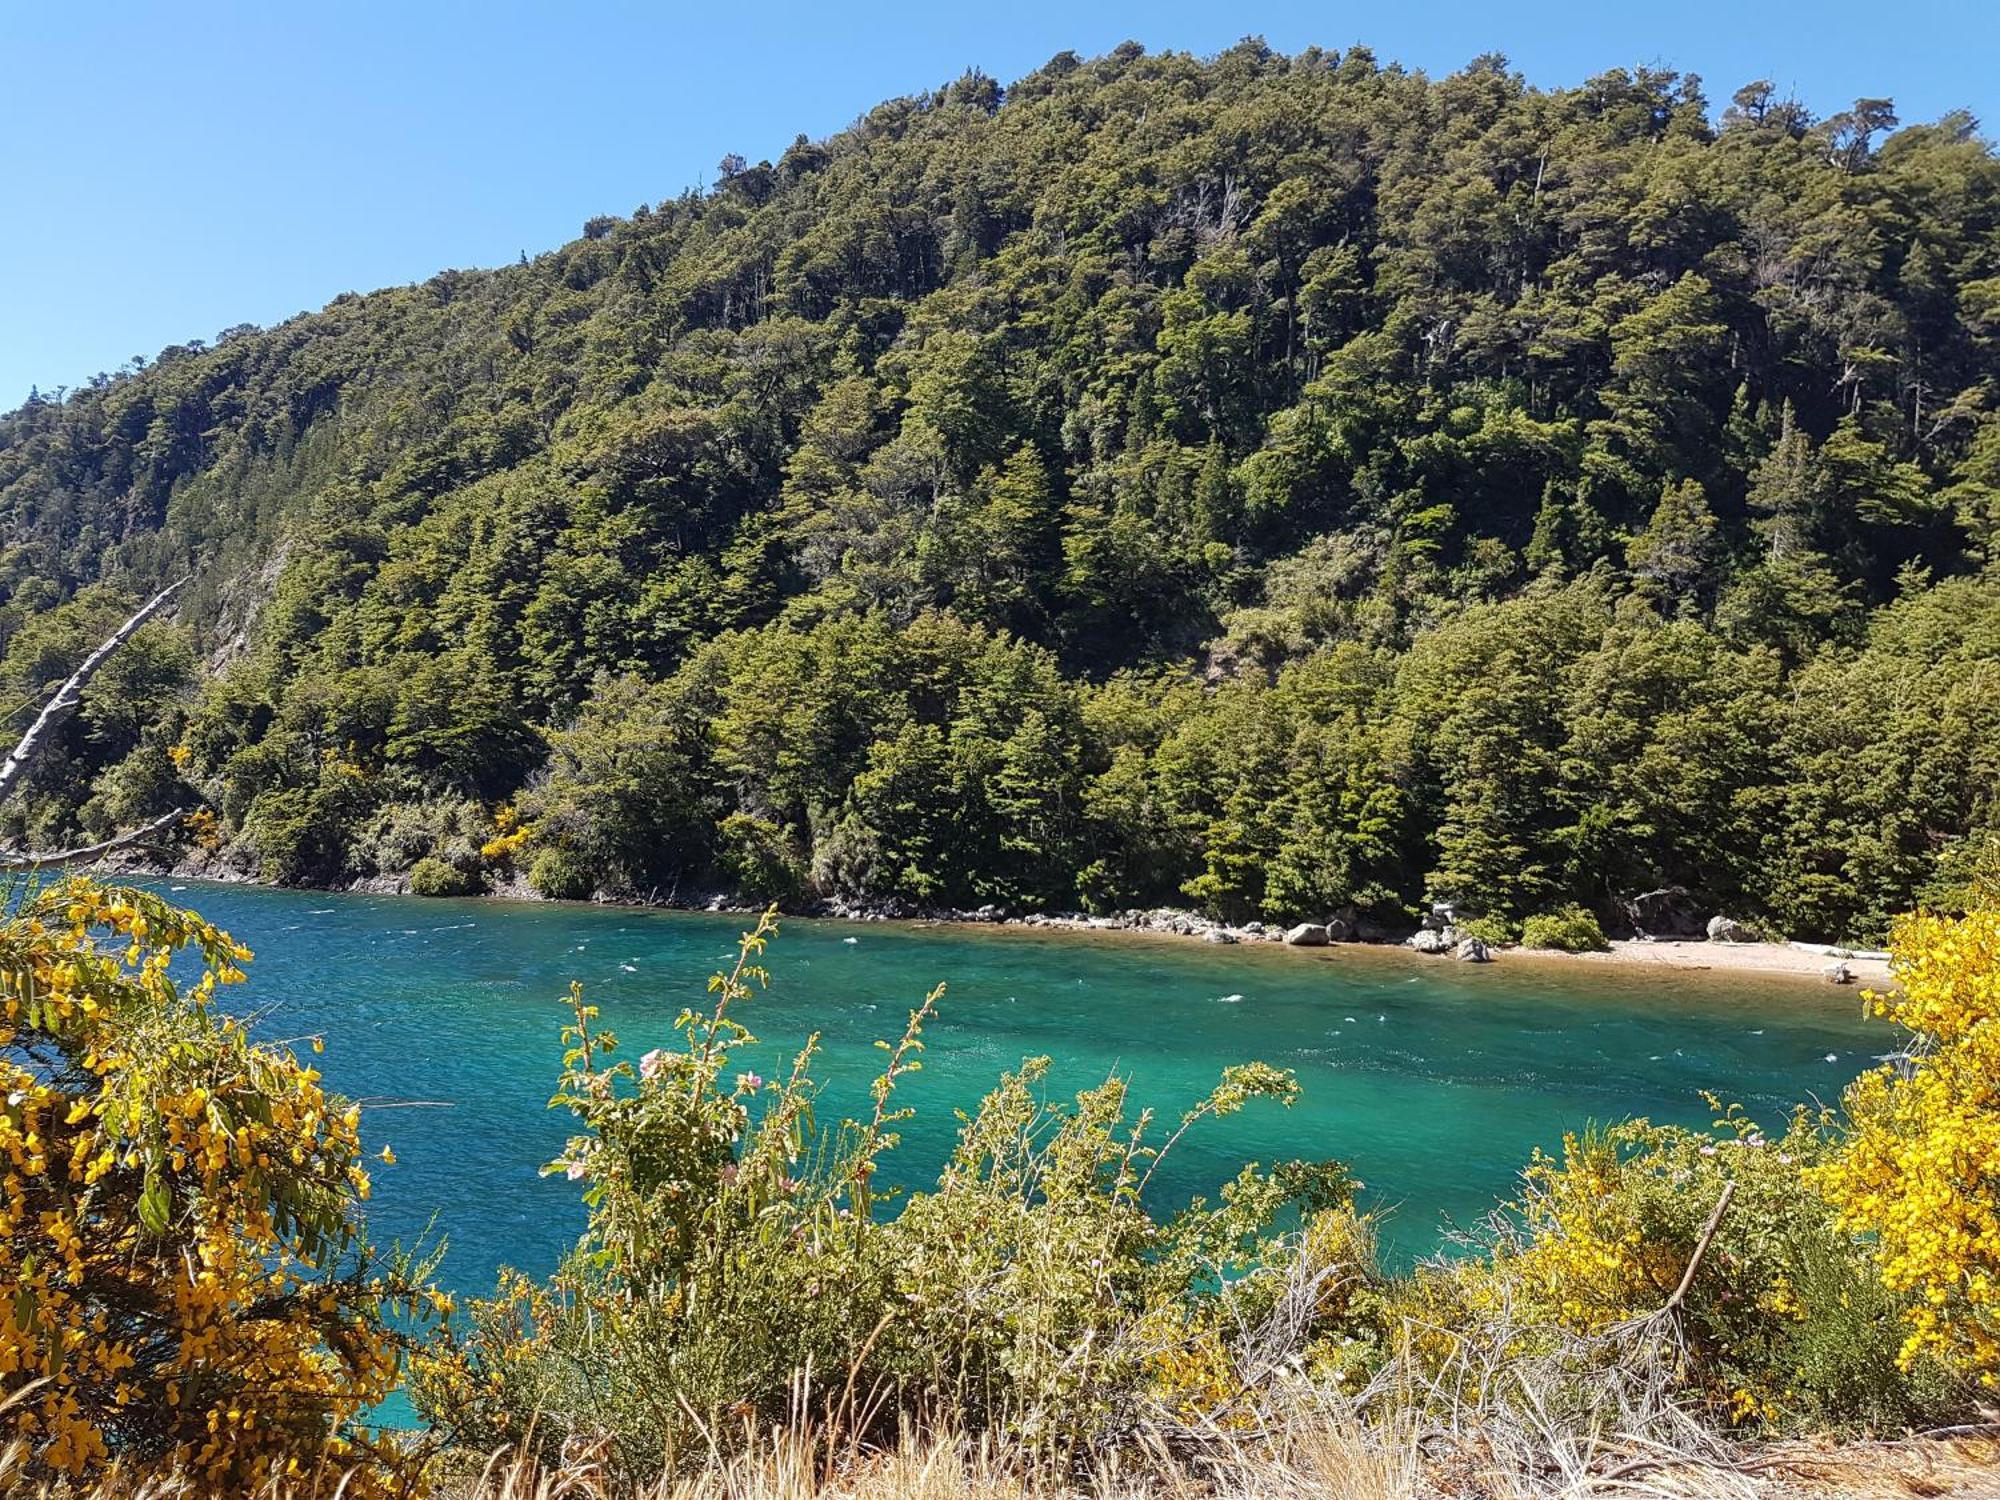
point(1701, 1246)
point(29, 859)
point(70, 694)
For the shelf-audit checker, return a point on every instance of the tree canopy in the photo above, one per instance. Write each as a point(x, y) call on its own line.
point(1277, 482)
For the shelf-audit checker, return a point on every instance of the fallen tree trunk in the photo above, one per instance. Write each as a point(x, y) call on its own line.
point(70, 694)
point(55, 858)
point(57, 709)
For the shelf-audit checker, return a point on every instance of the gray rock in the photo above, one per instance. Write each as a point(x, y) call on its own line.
point(1340, 929)
point(1307, 935)
point(1472, 951)
point(1669, 912)
point(1430, 940)
point(1217, 935)
point(1838, 974)
point(1728, 930)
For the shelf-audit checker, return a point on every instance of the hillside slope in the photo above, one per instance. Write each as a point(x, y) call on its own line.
point(1284, 483)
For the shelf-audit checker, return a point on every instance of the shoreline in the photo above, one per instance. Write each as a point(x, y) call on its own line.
point(1791, 962)
point(1693, 955)
point(1780, 961)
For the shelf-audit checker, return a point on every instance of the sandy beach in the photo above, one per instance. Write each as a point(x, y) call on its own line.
point(1775, 959)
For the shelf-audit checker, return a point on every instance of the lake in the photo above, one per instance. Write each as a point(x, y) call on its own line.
point(1431, 1078)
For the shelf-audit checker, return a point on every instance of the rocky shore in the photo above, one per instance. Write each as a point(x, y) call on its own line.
point(1727, 945)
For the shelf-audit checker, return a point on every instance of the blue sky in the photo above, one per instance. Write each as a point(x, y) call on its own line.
point(170, 170)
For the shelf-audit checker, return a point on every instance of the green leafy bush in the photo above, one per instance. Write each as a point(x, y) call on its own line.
point(738, 1262)
point(412, 826)
point(437, 877)
point(755, 858)
point(562, 875)
point(1495, 932)
point(1570, 930)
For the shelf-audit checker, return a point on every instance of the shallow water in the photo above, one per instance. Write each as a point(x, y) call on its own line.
point(1432, 1079)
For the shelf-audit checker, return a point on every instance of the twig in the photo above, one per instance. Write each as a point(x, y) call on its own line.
point(405, 1103)
point(1962, 1429)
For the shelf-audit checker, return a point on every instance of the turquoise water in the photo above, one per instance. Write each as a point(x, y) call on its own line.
point(1432, 1079)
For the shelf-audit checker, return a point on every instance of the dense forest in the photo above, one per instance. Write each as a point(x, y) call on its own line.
point(1274, 483)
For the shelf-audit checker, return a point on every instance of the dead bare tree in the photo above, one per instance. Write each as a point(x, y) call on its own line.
point(84, 854)
point(54, 712)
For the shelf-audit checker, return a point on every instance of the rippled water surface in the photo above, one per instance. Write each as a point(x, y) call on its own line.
point(1431, 1078)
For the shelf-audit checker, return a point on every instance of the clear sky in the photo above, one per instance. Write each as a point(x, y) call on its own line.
point(172, 169)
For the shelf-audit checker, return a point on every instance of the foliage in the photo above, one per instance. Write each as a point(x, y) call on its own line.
point(752, 1264)
point(1785, 1325)
point(180, 1235)
point(1282, 482)
point(562, 876)
point(740, 1263)
point(745, 1267)
point(1919, 1169)
point(431, 876)
point(1571, 930)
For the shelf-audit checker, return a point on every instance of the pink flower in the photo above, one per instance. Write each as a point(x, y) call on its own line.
point(749, 1082)
point(653, 1064)
point(574, 1172)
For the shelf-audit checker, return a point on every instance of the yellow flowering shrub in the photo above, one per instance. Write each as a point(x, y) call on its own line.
point(1587, 1257)
point(1785, 1322)
point(185, 1283)
point(509, 834)
point(1920, 1166)
point(202, 829)
point(1191, 1371)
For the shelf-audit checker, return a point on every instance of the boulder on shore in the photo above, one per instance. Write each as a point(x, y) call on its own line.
point(1473, 951)
point(1433, 940)
point(1307, 935)
point(1669, 912)
point(1728, 930)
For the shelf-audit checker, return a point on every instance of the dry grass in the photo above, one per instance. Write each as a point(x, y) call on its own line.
point(1309, 1449)
point(1310, 1460)
point(1319, 1458)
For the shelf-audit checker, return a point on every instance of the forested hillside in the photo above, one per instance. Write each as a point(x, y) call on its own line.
point(1276, 483)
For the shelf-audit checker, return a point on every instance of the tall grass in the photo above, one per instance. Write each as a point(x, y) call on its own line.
point(1310, 1450)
